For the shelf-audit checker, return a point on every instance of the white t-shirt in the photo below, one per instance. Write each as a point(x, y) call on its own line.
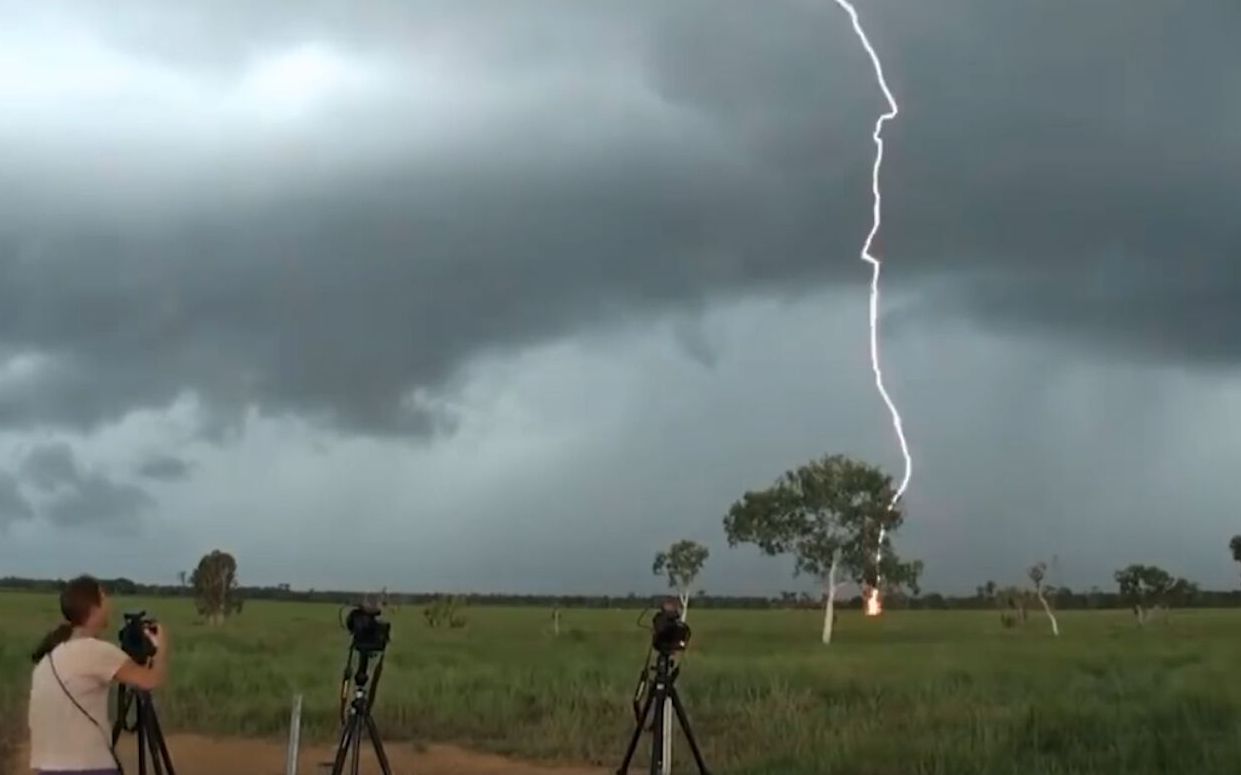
point(61, 736)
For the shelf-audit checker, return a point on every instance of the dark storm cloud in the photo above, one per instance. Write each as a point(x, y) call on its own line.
point(78, 495)
point(1075, 165)
point(97, 501)
point(595, 162)
point(165, 468)
point(52, 465)
point(13, 505)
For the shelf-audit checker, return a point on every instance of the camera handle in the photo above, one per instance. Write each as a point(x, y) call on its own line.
point(345, 677)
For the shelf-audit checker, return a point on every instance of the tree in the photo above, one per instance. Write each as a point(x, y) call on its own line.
point(1147, 587)
point(986, 591)
point(1011, 601)
point(828, 514)
point(1235, 546)
point(214, 582)
point(123, 586)
point(1037, 573)
point(446, 609)
point(681, 564)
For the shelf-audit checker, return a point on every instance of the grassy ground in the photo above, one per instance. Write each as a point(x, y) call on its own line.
point(912, 692)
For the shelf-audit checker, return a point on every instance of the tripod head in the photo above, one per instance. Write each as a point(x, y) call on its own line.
point(370, 633)
point(133, 636)
point(134, 642)
point(669, 632)
point(369, 641)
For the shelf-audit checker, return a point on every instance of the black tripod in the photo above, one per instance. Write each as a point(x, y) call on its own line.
point(358, 718)
point(146, 725)
point(661, 687)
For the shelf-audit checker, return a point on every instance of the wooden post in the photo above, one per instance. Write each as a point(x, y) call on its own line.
point(295, 737)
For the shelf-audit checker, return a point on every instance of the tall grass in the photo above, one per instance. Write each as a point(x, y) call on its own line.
point(910, 693)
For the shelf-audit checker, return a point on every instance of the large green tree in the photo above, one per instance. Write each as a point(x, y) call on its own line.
point(681, 564)
point(828, 514)
point(214, 582)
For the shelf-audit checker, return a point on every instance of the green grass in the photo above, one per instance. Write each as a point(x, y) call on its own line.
point(913, 692)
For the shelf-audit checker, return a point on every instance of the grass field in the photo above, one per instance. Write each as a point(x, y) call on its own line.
point(911, 692)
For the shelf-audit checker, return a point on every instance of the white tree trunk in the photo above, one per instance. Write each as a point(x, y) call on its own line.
point(829, 612)
point(1055, 628)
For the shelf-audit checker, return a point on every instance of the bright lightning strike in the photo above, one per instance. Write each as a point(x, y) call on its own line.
point(873, 605)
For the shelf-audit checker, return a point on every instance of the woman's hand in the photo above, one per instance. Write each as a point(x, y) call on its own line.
point(148, 677)
point(158, 636)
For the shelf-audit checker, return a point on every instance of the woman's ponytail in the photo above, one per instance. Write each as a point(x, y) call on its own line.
point(78, 598)
point(51, 641)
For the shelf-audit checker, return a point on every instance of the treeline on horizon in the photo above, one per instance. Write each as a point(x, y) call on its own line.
point(1063, 598)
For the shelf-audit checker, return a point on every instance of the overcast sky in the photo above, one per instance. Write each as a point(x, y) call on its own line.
point(509, 295)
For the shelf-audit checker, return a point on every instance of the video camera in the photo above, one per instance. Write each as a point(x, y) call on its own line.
point(669, 632)
point(133, 636)
point(370, 635)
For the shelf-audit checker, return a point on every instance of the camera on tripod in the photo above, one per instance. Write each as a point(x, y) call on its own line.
point(656, 695)
point(669, 632)
point(370, 634)
point(370, 637)
point(133, 637)
point(145, 723)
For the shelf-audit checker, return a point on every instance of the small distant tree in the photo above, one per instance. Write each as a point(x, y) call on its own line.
point(123, 586)
point(446, 610)
point(214, 582)
point(1012, 602)
point(1182, 594)
point(986, 591)
point(681, 564)
point(828, 514)
point(1146, 588)
point(1235, 546)
point(1037, 573)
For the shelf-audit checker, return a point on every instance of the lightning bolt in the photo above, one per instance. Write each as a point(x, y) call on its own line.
point(873, 606)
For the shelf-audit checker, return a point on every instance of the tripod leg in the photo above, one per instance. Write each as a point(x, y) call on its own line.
point(147, 728)
point(342, 748)
point(355, 748)
point(380, 753)
point(159, 746)
point(689, 733)
point(657, 730)
point(122, 708)
point(370, 695)
point(157, 763)
point(637, 731)
point(142, 741)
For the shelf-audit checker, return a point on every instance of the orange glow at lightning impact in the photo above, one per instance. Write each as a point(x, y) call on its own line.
point(873, 605)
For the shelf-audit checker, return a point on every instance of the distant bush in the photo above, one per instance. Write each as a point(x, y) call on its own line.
point(446, 611)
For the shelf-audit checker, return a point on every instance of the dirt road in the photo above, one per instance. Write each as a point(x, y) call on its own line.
point(199, 755)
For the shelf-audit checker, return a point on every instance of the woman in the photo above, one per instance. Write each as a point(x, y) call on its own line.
point(69, 730)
